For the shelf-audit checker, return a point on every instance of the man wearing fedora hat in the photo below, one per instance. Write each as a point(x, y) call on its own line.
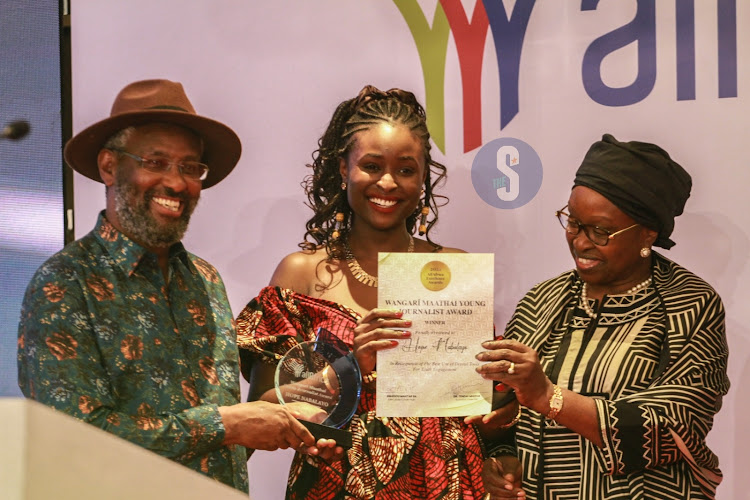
point(128, 331)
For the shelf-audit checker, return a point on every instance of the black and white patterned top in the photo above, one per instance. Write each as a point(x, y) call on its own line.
point(656, 362)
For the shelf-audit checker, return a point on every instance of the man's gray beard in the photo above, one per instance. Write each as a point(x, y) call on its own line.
point(139, 224)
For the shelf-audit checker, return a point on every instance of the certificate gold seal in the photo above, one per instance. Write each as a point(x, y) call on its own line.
point(435, 275)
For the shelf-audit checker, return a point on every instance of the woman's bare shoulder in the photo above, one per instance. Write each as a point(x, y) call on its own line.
point(297, 270)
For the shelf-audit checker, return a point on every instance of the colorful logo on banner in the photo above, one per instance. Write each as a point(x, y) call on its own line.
point(508, 32)
point(506, 173)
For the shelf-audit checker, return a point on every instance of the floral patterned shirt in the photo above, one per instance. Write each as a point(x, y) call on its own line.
point(104, 338)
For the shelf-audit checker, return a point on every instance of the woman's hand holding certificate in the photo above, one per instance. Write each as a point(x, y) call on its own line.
point(449, 300)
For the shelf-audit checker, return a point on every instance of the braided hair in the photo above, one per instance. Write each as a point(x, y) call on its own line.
point(323, 186)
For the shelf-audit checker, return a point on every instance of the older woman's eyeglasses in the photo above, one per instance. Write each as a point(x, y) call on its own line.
point(193, 170)
point(598, 236)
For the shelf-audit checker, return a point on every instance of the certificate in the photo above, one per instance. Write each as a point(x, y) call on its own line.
point(449, 298)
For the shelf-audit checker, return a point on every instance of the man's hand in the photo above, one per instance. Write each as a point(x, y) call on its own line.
point(264, 426)
point(306, 411)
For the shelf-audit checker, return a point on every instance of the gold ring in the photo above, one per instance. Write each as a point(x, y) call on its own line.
point(512, 368)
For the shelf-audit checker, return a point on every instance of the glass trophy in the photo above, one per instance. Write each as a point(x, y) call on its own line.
point(324, 373)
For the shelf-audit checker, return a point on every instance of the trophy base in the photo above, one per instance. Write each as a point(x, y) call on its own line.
point(342, 437)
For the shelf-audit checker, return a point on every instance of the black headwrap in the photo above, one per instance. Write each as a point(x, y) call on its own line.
point(640, 179)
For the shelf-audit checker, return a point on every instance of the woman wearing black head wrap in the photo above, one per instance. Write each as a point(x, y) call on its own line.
point(621, 364)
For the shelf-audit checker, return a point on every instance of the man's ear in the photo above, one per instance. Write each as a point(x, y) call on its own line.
point(107, 166)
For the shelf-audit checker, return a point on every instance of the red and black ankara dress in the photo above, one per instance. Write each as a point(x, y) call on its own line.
point(391, 458)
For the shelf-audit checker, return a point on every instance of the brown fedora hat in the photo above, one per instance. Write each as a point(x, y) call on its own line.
point(150, 101)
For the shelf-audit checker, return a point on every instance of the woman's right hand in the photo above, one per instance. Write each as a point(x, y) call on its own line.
point(502, 477)
point(375, 332)
point(498, 418)
point(517, 366)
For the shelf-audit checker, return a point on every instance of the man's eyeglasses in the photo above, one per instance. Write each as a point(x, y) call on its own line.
point(193, 170)
point(596, 234)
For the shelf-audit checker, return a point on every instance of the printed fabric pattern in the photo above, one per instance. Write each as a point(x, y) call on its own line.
point(391, 458)
point(104, 338)
point(656, 364)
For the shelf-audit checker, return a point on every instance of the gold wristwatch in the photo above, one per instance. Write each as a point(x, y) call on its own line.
point(555, 402)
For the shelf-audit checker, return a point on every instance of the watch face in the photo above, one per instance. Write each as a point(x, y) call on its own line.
point(555, 403)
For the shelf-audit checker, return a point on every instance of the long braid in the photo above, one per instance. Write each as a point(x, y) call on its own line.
point(323, 187)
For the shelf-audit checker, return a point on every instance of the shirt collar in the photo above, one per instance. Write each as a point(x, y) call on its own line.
point(126, 253)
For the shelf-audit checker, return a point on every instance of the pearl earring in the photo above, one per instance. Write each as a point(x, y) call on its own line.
point(343, 186)
point(645, 252)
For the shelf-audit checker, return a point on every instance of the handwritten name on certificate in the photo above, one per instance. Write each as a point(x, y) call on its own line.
point(449, 298)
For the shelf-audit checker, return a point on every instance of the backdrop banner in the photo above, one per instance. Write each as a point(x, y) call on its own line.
point(515, 92)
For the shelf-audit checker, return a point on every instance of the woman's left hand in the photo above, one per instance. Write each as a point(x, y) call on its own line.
point(502, 477)
point(325, 449)
point(517, 366)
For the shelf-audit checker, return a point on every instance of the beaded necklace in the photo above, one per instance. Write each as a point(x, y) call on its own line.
point(585, 301)
point(360, 274)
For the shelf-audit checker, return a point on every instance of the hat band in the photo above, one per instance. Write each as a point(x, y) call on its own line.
point(174, 108)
